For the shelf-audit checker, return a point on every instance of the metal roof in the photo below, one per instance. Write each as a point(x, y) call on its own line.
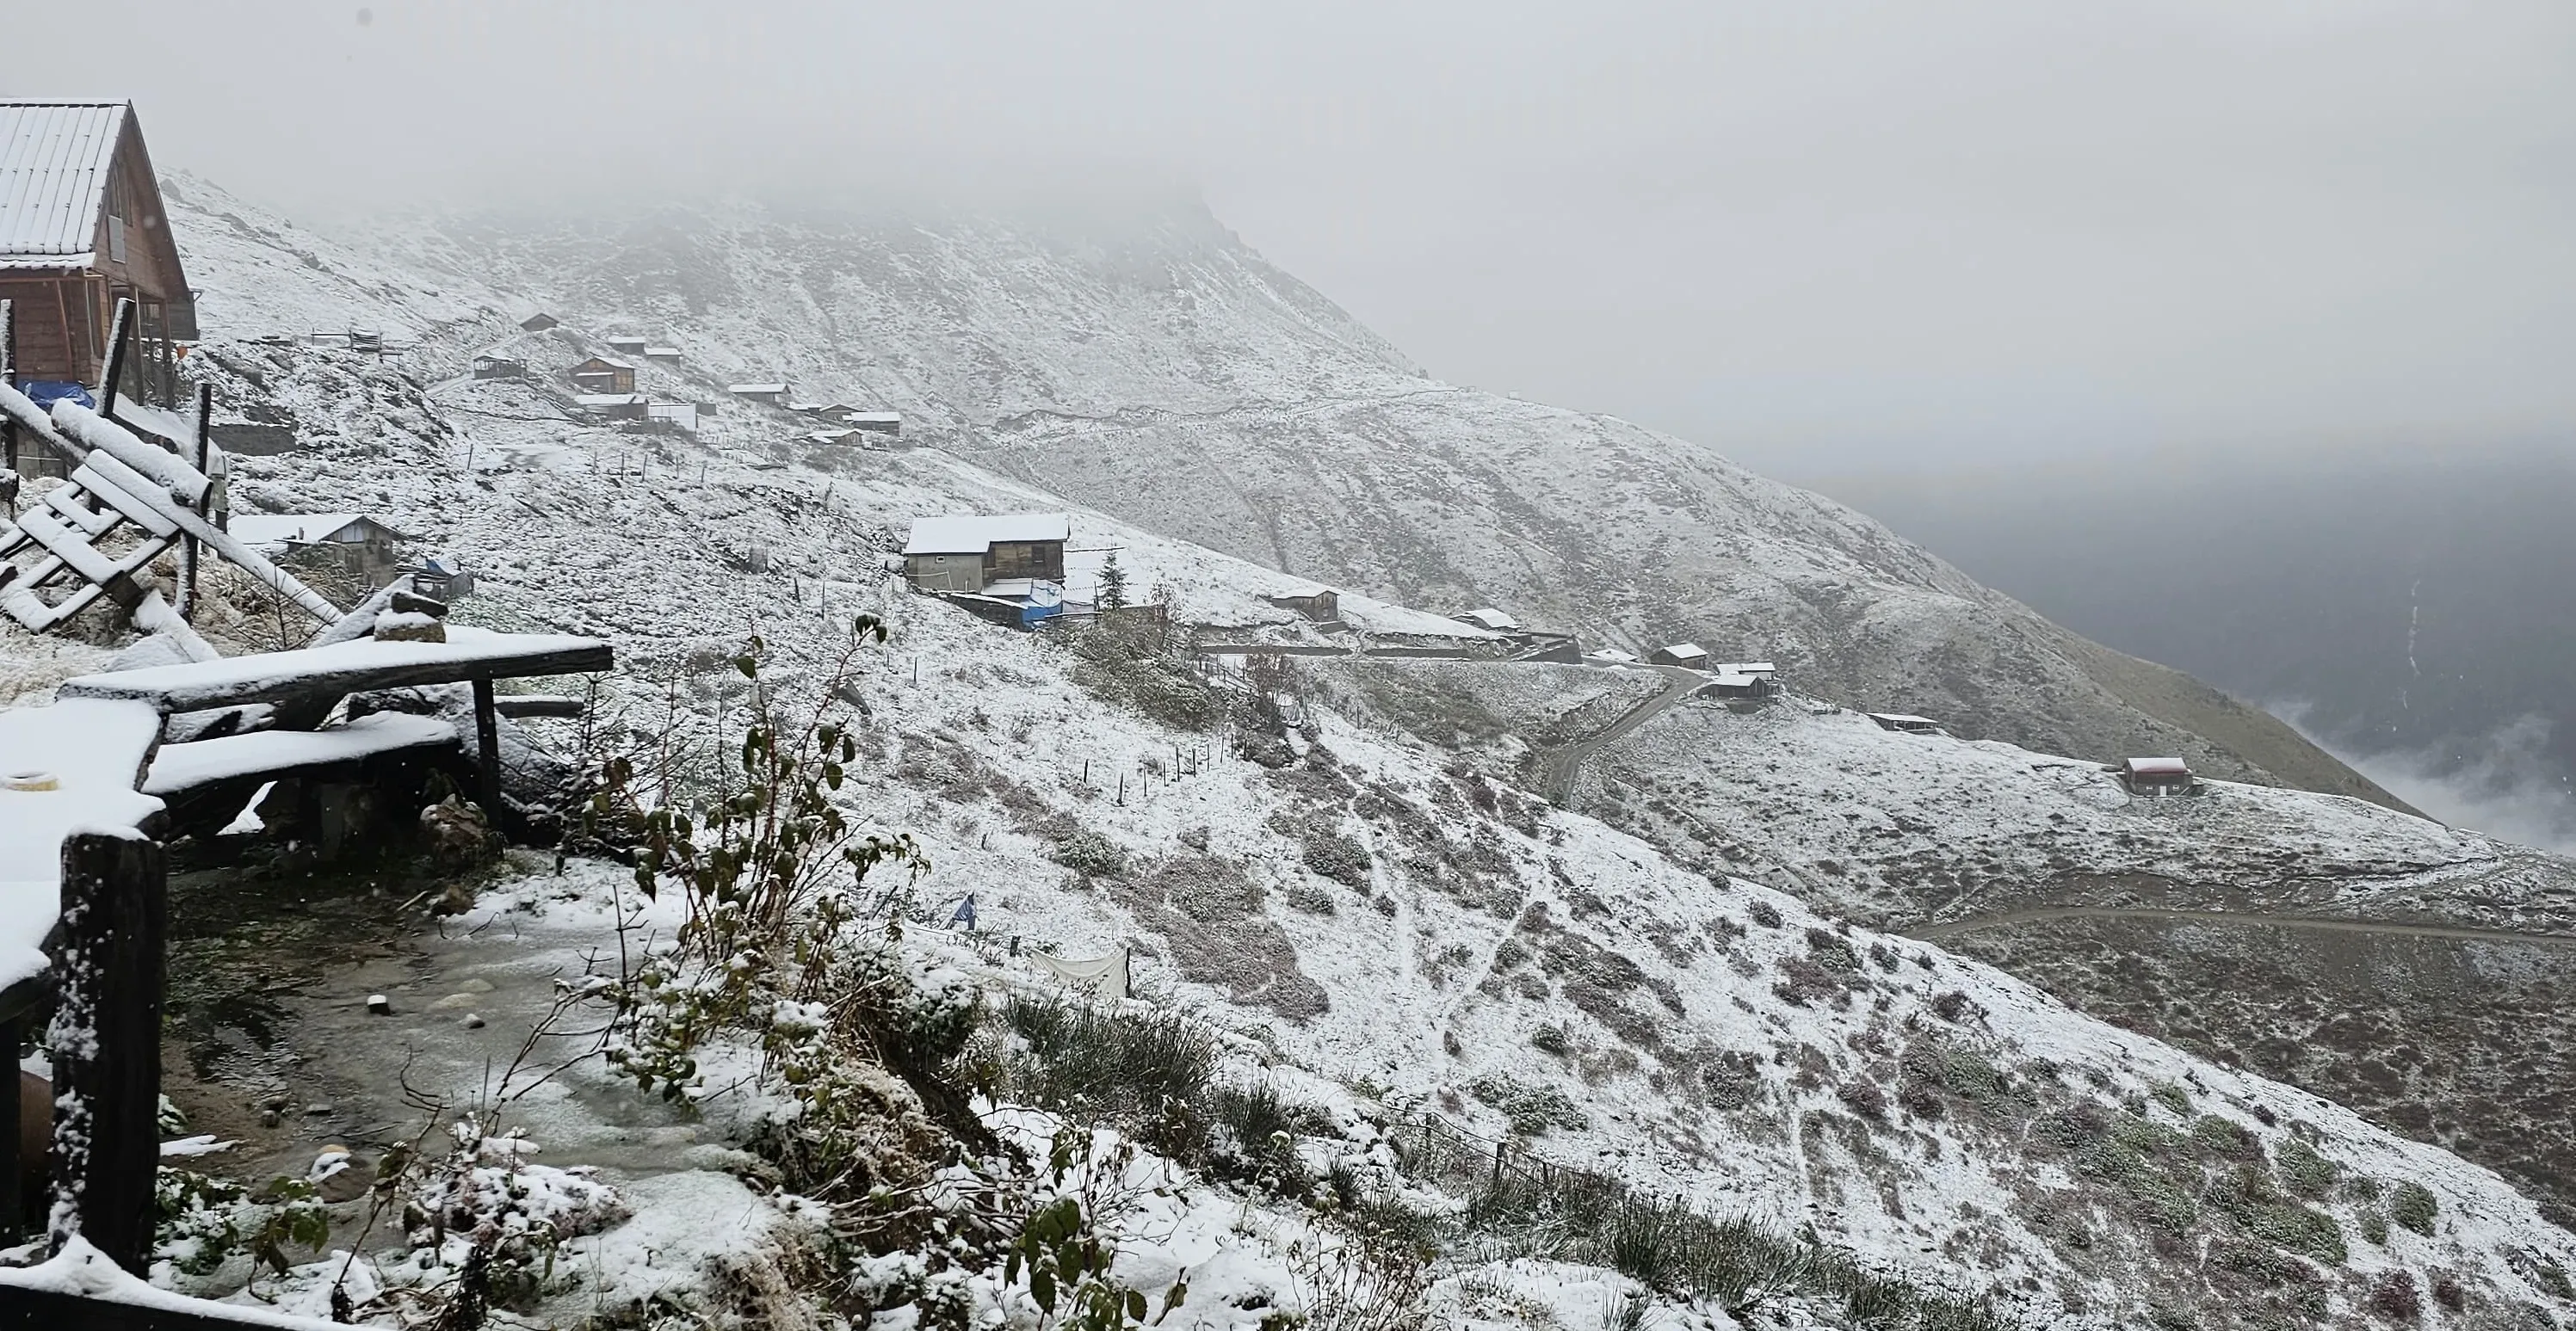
point(961, 534)
point(54, 163)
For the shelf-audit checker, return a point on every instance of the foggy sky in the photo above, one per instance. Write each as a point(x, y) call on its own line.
point(1820, 235)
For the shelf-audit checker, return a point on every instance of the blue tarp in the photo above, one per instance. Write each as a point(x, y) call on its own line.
point(46, 392)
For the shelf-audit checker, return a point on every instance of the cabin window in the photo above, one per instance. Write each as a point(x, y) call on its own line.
point(115, 238)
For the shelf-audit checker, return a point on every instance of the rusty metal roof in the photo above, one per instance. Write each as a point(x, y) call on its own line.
point(54, 163)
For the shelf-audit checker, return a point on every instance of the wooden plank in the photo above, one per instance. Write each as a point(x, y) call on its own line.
point(102, 490)
point(94, 522)
point(533, 704)
point(106, 1044)
point(342, 669)
point(72, 547)
point(13, 1034)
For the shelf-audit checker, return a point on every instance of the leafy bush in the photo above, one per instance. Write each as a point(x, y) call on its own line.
point(1088, 852)
point(1530, 1110)
point(1338, 857)
point(2302, 1170)
point(199, 1221)
point(2413, 1205)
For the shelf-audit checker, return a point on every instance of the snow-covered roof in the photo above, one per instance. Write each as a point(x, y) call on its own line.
point(1685, 650)
point(672, 353)
point(608, 399)
point(2159, 767)
point(973, 534)
point(808, 407)
point(496, 356)
point(756, 388)
point(269, 529)
point(54, 163)
point(601, 360)
point(623, 342)
point(830, 436)
point(1489, 617)
point(1902, 719)
point(874, 418)
point(1746, 668)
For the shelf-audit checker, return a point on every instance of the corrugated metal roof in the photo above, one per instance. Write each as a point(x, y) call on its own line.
point(54, 161)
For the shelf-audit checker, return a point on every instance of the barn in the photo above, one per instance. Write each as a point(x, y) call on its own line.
point(354, 542)
point(968, 553)
point(602, 375)
point(1680, 654)
point(2157, 776)
point(81, 227)
point(494, 365)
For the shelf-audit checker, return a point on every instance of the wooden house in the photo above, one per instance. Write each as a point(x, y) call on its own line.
point(662, 355)
point(627, 346)
point(874, 422)
point(1906, 723)
point(1689, 654)
point(540, 322)
point(493, 365)
point(678, 415)
point(2157, 776)
point(354, 542)
point(966, 553)
point(602, 375)
point(1487, 617)
point(1321, 604)
point(772, 394)
point(81, 227)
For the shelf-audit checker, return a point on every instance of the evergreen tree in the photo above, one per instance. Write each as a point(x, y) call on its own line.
point(1113, 584)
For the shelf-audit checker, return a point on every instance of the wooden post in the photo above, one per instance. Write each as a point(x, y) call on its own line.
point(13, 1035)
point(116, 334)
point(487, 734)
point(188, 544)
point(106, 1044)
point(9, 376)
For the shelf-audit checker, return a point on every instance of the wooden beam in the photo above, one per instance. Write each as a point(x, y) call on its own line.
point(188, 546)
point(13, 1163)
point(106, 1044)
point(291, 683)
point(487, 737)
point(118, 334)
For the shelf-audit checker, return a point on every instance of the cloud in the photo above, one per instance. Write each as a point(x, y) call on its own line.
point(2504, 783)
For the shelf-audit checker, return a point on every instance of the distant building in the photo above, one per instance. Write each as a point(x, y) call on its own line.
point(2157, 776)
point(1689, 654)
point(967, 553)
point(772, 394)
point(443, 578)
point(81, 225)
point(1490, 618)
point(353, 542)
point(492, 365)
point(540, 322)
point(632, 346)
point(1906, 723)
point(602, 375)
point(1744, 679)
point(1321, 604)
point(681, 415)
point(664, 355)
point(616, 406)
point(874, 422)
point(830, 436)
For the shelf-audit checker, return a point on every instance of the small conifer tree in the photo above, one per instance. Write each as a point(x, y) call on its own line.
point(1113, 584)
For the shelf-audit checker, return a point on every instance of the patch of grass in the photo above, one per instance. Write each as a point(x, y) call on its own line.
point(1125, 1066)
point(1087, 852)
point(1338, 857)
point(2171, 1096)
point(2304, 1172)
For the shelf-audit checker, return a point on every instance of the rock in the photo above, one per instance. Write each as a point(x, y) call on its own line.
point(472, 1022)
point(474, 984)
point(379, 1005)
point(409, 626)
point(269, 1118)
point(460, 836)
point(453, 1002)
point(338, 1175)
point(317, 1110)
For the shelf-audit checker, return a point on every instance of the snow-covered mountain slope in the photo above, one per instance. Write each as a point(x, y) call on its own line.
point(1156, 369)
point(1417, 933)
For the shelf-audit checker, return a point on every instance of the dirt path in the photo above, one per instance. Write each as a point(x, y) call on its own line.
point(2041, 914)
point(1566, 764)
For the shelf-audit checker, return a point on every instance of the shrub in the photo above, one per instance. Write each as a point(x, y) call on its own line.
point(1149, 1070)
point(1864, 1098)
point(1337, 857)
point(1764, 914)
point(1309, 898)
point(1087, 852)
point(2302, 1170)
point(2393, 1297)
point(2171, 1096)
point(1531, 1110)
point(2413, 1205)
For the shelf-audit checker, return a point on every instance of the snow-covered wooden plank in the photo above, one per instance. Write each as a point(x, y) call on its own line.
point(71, 547)
point(174, 476)
point(118, 502)
point(96, 522)
point(181, 767)
point(73, 765)
point(140, 489)
point(347, 667)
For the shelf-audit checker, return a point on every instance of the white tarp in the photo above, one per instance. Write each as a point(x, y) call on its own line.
point(1105, 976)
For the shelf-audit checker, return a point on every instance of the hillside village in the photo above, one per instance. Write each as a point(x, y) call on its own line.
point(521, 811)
